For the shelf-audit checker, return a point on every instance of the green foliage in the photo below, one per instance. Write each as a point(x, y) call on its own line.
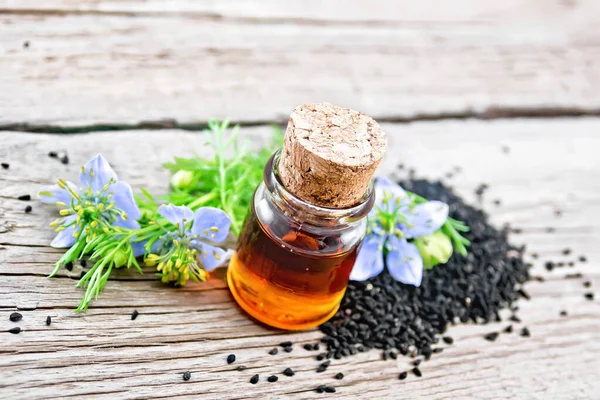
point(228, 179)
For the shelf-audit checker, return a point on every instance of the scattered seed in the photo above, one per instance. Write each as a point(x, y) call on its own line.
point(574, 276)
point(339, 376)
point(52, 154)
point(589, 296)
point(563, 313)
point(403, 375)
point(28, 209)
point(134, 314)
point(566, 251)
point(514, 318)
point(321, 388)
point(582, 258)
point(417, 372)
point(587, 284)
point(288, 372)
point(538, 278)
point(534, 255)
point(48, 320)
point(242, 368)
point(508, 329)
point(288, 349)
point(525, 332)
point(14, 317)
point(187, 375)
point(320, 357)
point(5, 165)
point(571, 264)
point(560, 264)
point(316, 347)
point(273, 378)
point(15, 330)
point(417, 362)
point(285, 344)
point(497, 202)
point(393, 355)
point(330, 389)
point(524, 294)
point(308, 347)
point(438, 350)
point(24, 197)
point(254, 379)
point(549, 265)
point(230, 358)
point(492, 336)
point(81, 274)
point(69, 266)
point(273, 351)
point(448, 340)
point(64, 159)
point(83, 263)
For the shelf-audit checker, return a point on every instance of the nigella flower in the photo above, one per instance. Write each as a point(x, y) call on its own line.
point(101, 201)
point(177, 251)
point(393, 222)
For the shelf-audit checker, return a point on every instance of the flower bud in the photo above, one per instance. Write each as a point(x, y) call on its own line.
point(182, 179)
point(119, 258)
point(435, 249)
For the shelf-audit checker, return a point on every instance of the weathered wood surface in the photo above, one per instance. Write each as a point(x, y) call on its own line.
point(124, 62)
point(551, 164)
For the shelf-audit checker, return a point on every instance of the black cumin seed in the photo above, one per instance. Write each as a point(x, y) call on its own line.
point(525, 332)
point(438, 350)
point(273, 351)
point(26, 44)
point(417, 372)
point(288, 372)
point(321, 369)
point(254, 379)
point(508, 329)
point(393, 355)
point(5, 165)
point(403, 375)
point(272, 378)
point(69, 266)
point(83, 263)
point(321, 388)
point(288, 349)
point(339, 375)
point(587, 284)
point(15, 330)
point(534, 255)
point(14, 317)
point(560, 264)
point(134, 314)
point(24, 197)
point(241, 368)
point(492, 336)
point(448, 340)
point(574, 276)
point(538, 278)
point(497, 202)
point(571, 264)
point(582, 258)
point(589, 296)
point(320, 357)
point(330, 389)
point(566, 251)
point(549, 265)
point(52, 154)
point(187, 375)
point(230, 358)
point(285, 344)
point(81, 274)
point(514, 318)
point(48, 320)
point(316, 347)
point(64, 159)
point(28, 209)
point(563, 313)
point(417, 362)
point(308, 347)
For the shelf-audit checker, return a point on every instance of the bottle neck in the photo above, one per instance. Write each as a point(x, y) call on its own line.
point(307, 213)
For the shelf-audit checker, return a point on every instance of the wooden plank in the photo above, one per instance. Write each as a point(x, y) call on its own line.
point(123, 62)
point(104, 354)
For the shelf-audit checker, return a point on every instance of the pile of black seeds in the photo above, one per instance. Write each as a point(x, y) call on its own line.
point(385, 314)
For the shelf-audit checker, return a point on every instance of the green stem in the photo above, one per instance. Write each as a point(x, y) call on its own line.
point(200, 201)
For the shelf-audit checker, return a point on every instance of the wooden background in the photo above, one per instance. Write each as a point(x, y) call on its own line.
point(509, 91)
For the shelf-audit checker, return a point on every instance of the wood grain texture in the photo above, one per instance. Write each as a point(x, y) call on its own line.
point(123, 62)
point(550, 164)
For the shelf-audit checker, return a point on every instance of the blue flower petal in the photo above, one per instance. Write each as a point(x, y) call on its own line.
point(65, 237)
point(176, 214)
point(212, 256)
point(128, 223)
point(384, 187)
point(211, 223)
point(97, 173)
point(404, 261)
point(53, 193)
point(369, 261)
point(138, 248)
point(123, 198)
point(424, 219)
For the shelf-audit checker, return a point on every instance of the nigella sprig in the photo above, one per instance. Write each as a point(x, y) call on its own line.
point(100, 204)
point(185, 249)
point(410, 232)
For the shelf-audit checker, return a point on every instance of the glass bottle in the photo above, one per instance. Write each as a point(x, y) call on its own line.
point(293, 258)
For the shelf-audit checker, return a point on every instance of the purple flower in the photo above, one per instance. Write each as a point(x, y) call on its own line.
point(394, 220)
point(100, 202)
point(177, 251)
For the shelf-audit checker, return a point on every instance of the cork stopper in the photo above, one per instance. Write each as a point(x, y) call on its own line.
point(330, 154)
